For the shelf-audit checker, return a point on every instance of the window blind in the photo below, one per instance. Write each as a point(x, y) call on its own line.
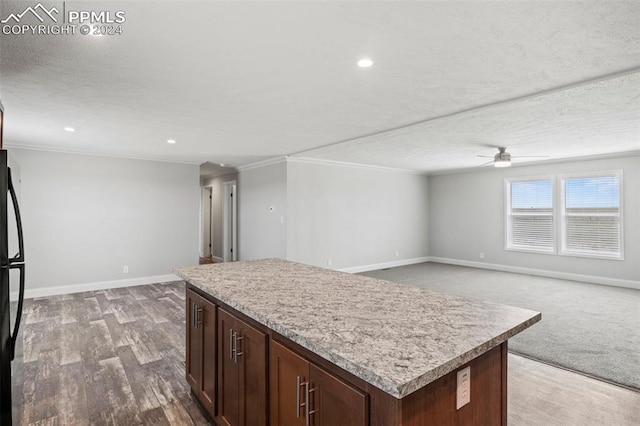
point(591, 215)
point(530, 224)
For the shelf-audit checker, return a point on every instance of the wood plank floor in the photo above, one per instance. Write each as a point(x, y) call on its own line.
point(116, 357)
point(112, 357)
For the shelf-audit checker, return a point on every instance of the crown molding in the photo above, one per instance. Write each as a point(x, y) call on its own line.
point(323, 162)
point(97, 154)
point(263, 163)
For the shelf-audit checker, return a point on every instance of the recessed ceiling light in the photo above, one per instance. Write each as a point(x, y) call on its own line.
point(365, 63)
point(69, 129)
point(171, 141)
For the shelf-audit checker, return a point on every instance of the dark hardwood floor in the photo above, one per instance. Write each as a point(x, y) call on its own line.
point(112, 357)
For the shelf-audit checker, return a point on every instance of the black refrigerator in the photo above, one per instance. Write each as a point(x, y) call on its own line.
point(10, 313)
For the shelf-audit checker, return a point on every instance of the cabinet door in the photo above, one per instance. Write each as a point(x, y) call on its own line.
point(193, 343)
point(334, 402)
point(242, 372)
point(201, 349)
point(228, 371)
point(251, 350)
point(207, 323)
point(288, 373)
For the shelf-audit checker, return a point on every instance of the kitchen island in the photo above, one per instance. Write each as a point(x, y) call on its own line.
point(281, 343)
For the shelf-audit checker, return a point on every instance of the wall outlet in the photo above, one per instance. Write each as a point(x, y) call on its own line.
point(481, 255)
point(397, 253)
point(329, 263)
point(463, 391)
point(125, 269)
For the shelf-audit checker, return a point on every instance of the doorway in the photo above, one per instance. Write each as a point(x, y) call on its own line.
point(229, 222)
point(207, 220)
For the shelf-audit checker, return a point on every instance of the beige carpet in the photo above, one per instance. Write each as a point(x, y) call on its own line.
point(590, 328)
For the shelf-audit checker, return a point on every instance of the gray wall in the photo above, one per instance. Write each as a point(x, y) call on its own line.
point(216, 209)
point(467, 217)
point(261, 232)
point(355, 216)
point(86, 217)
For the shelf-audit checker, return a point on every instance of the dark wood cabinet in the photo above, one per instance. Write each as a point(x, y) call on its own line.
point(336, 402)
point(288, 371)
point(242, 372)
point(303, 394)
point(194, 343)
point(201, 350)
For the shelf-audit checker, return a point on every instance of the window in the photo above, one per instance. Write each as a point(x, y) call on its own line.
point(530, 219)
point(592, 215)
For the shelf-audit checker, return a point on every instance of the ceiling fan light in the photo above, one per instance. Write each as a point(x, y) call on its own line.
point(502, 158)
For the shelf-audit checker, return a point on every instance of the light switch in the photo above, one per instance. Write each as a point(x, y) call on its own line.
point(463, 393)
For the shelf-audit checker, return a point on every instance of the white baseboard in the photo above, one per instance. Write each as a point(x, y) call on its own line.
point(217, 259)
point(30, 293)
point(393, 264)
point(542, 273)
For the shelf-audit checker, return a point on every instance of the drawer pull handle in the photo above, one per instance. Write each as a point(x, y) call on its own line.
point(198, 318)
point(238, 351)
point(298, 383)
point(194, 315)
point(307, 405)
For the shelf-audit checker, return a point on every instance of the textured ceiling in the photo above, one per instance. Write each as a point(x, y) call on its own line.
point(238, 82)
point(592, 119)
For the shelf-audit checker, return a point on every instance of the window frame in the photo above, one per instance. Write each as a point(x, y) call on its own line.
point(508, 237)
point(563, 251)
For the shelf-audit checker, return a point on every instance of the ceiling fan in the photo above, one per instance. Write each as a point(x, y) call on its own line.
point(503, 158)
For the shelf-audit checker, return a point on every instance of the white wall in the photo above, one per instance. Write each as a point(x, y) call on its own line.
point(261, 232)
point(467, 217)
point(85, 217)
point(217, 194)
point(355, 216)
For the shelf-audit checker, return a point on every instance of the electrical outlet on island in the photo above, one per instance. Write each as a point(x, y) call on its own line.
point(463, 391)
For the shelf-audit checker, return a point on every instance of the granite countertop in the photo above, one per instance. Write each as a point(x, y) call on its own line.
point(396, 337)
